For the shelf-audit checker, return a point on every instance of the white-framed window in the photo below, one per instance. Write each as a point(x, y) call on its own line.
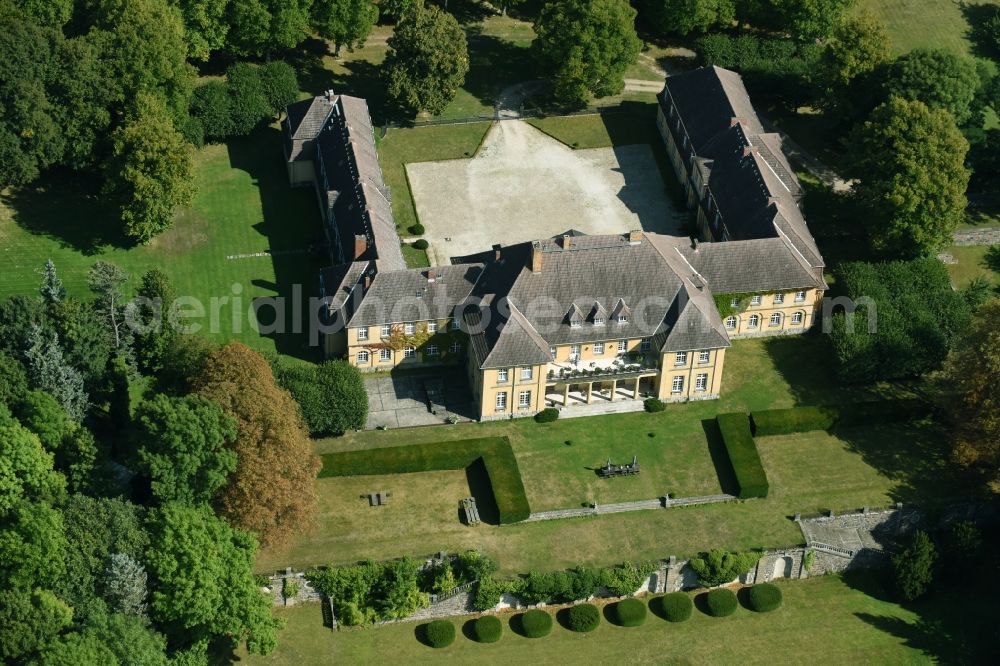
point(599, 320)
point(755, 300)
point(502, 375)
point(730, 322)
point(677, 385)
point(622, 346)
point(703, 356)
point(525, 373)
point(363, 357)
point(501, 401)
point(734, 303)
point(384, 355)
point(575, 323)
point(645, 345)
point(431, 350)
point(386, 330)
point(623, 318)
point(363, 333)
point(409, 328)
point(754, 321)
point(552, 352)
point(779, 299)
point(524, 399)
point(409, 351)
point(798, 318)
point(776, 319)
point(701, 382)
point(598, 347)
point(432, 327)
point(574, 352)
point(456, 325)
point(455, 347)
point(681, 358)
point(800, 296)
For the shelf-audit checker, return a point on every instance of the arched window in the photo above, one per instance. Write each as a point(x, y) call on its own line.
point(754, 321)
point(798, 318)
point(776, 319)
point(363, 356)
point(731, 322)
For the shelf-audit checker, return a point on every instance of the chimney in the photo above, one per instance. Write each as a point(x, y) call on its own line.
point(360, 245)
point(536, 257)
point(431, 275)
point(368, 281)
point(565, 241)
point(635, 236)
point(496, 253)
point(694, 244)
point(747, 151)
point(330, 96)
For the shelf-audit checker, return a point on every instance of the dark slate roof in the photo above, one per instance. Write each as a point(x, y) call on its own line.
point(306, 117)
point(512, 341)
point(707, 100)
point(416, 294)
point(759, 265)
point(693, 322)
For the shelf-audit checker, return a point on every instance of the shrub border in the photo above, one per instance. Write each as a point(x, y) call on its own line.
point(743, 456)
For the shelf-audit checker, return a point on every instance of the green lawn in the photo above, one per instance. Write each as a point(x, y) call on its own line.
point(809, 472)
point(924, 23)
point(972, 262)
point(826, 620)
point(243, 206)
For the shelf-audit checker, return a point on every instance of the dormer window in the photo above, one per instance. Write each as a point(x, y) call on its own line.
point(621, 312)
point(598, 321)
point(575, 316)
point(575, 324)
point(622, 318)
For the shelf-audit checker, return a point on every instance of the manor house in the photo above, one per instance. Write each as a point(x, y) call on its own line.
point(576, 318)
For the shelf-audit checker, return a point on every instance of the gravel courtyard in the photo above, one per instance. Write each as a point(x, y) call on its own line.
point(523, 185)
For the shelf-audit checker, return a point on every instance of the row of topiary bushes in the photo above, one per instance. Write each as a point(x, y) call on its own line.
point(804, 419)
point(494, 453)
point(586, 617)
point(743, 456)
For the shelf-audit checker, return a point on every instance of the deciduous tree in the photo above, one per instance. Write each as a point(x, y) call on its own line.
point(859, 46)
point(910, 162)
point(940, 79)
point(271, 493)
point(152, 170)
point(259, 27)
point(427, 61)
point(683, 17)
point(588, 45)
point(344, 22)
point(205, 26)
point(155, 334)
point(913, 566)
point(811, 19)
point(26, 473)
point(29, 621)
point(973, 405)
point(183, 444)
point(203, 584)
point(278, 84)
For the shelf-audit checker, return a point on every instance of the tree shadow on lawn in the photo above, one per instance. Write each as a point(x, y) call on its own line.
point(720, 457)
point(496, 63)
point(290, 227)
point(983, 45)
point(67, 206)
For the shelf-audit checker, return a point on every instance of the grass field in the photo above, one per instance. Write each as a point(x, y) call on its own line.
point(924, 23)
point(972, 262)
point(809, 472)
point(826, 620)
point(243, 206)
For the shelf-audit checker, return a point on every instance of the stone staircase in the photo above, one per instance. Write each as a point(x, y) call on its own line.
point(459, 604)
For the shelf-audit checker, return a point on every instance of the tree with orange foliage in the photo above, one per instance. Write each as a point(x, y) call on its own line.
point(272, 491)
point(972, 374)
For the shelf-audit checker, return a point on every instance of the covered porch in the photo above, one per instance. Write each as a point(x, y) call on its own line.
point(601, 389)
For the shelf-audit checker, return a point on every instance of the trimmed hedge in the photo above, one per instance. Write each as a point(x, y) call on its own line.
point(743, 456)
point(421, 244)
point(804, 419)
point(654, 405)
point(721, 602)
point(487, 629)
point(547, 415)
point(536, 623)
point(440, 633)
point(630, 612)
point(417, 229)
point(494, 452)
point(765, 597)
point(676, 606)
point(583, 617)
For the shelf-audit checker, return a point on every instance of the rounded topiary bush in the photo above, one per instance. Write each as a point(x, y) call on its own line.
point(721, 602)
point(547, 415)
point(536, 623)
point(630, 612)
point(421, 244)
point(653, 405)
point(440, 633)
point(417, 229)
point(487, 629)
point(583, 617)
point(764, 597)
point(676, 606)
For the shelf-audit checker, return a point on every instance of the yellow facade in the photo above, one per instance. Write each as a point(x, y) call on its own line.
point(408, 344)
point(778, 313)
